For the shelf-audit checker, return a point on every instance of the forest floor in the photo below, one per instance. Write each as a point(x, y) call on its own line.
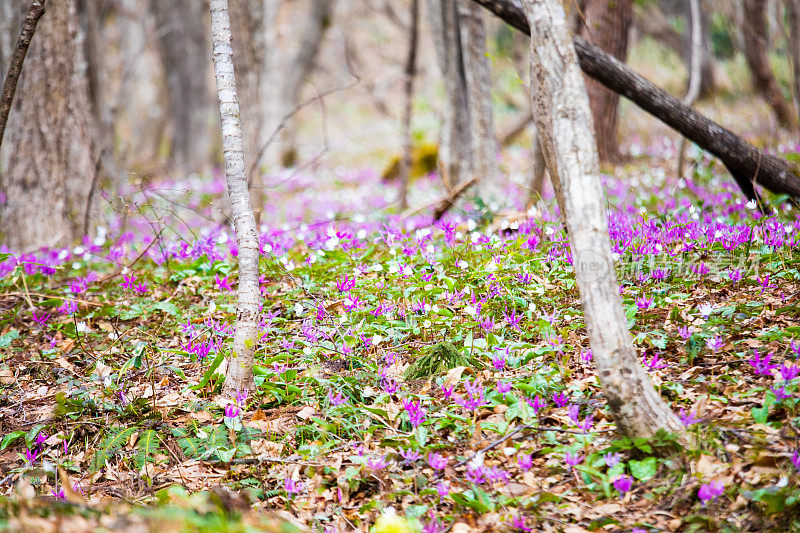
point(409, 374)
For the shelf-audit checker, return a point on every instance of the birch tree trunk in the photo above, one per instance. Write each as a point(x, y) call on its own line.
point(455, 147)
point(183, 46)
point(50, 139)
point(562, 115)
point(607, 27)
point(239, 375)
point(755, 51)
point(793, 16)
point(479, 98)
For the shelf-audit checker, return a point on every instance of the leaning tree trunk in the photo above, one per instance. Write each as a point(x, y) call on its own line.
point(746, 163)
point(455, 148)
point(49, 176)
point(239, 375)
point(793, 16)
point(479, 98)
point(607, 27)
point(16, 60)
point(562, 115)
point(300, 66)
point(755, 51)
point(183, 46)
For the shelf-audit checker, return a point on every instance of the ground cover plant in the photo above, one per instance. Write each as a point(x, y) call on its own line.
point(409, 374)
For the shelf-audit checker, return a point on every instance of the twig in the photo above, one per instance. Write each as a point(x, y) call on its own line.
point(15, 68)
point(443, 204)
point(129, 265)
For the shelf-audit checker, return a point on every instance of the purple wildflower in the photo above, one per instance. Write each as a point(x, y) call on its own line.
point(231, 411)
point(560, 399)
point(127, 283)
point(644, 303)
point(715, 344)
point(655, 362)
point(796, 460)
point(537, 403)
point(710, 491)
point(518, 523)
point(761, 365)
point(377, 464)
point(789, 372)
point(586, 356)
point(503, 387)
point(40, 319)
point(572, 459)
point(623, 484)
point(611, 459)
point(335, 400)
point(443, 489)
point(416, 414)
point(293, 487)
point(68, 307)
point(409, 455)
point(436, 461)
point(688, 419)
point(780, 392)
point(476, 475)
point(525, 461)
point(222, 283)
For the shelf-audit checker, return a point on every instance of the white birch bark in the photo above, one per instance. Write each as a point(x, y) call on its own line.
point(239, 375)
point(479, 98)
point(564, 125)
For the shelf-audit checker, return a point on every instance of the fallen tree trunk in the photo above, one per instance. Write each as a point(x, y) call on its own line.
point(747, 164)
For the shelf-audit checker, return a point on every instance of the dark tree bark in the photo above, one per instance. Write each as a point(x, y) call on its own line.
point(607, 26)
point(51, 140)
point(185, 51)
point(409, 74)
point(17, 59)
point(755, 51)
point(746, 163)
point(248, 54)
point(793, 19)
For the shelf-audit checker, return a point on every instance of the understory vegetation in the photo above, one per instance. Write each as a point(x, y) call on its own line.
point(409, 374)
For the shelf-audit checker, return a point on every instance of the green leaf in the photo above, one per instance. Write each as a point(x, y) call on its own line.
point(146, 448)
point(644, 469)
point(760, 414)
point(10, 438)
point(5, 340)
point(191, 447)
point(210, 372)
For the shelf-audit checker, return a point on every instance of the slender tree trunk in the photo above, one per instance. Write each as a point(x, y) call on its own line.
point(793, 15)
point(300, 66)
point(410, 73)
point(455, 148)
point(239, 376)
point(755, 51)
point(184, 49)
point(479, 97)
point(51, 166)
point(607, 26)
point(248, 41)
point(695, 60)
point(746, 163)
point(17, 59)
point(562, 115)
